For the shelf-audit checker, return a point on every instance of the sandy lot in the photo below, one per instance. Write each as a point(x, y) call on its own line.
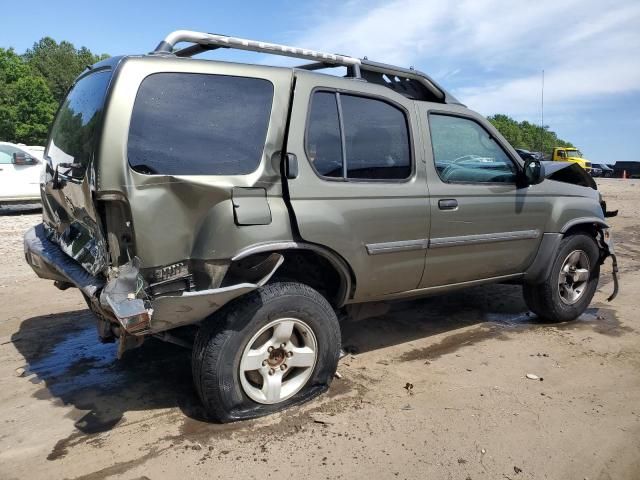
point(69, 409)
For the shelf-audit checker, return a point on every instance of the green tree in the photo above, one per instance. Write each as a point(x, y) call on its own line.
point(26, 104)
point(526, 135)
point(59, 63)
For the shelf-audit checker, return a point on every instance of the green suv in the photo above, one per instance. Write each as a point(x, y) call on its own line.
point(236, 208)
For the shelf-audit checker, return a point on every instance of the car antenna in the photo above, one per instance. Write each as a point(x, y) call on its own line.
point(542, 117)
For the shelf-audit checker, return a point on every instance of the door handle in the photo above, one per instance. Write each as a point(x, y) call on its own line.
point(448, 204)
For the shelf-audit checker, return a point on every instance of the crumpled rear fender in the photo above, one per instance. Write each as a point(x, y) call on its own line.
point(122, 296)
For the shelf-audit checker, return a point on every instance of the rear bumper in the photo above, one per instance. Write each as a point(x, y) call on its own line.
point(121, 300)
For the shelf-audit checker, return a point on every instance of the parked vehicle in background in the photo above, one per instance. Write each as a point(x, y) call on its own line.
point(626, 168)
point(20, 171)
point(601, 170)
point(570, 154)
point(246, 205)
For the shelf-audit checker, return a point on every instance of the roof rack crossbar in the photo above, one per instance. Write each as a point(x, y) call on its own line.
point(315, 66)
point(195, 49)
point(353, 71)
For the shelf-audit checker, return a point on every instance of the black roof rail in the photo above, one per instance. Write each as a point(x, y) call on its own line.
point(407, 81)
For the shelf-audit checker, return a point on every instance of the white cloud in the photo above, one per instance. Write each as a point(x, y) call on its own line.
point(496, 49)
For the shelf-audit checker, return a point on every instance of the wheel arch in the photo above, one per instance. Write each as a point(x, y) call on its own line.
point(321, 257)
point(588, 224)
point(548, 249)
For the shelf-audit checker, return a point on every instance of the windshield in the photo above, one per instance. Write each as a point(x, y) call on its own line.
point(73, 134)
point(574, 153)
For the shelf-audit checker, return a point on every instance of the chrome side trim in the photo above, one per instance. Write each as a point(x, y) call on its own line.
point(483, 238)
point(400, 246)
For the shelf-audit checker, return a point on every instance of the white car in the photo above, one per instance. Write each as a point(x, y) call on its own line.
point(20, 167)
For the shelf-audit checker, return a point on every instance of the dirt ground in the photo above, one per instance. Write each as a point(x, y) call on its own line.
point(435, 388)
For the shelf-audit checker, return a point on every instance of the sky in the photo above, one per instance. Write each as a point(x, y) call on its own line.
point(489, 53)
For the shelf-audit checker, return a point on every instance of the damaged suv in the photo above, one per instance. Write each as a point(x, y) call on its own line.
point(236, 208)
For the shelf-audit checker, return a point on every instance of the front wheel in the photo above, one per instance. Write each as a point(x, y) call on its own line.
point(278, 346)
point(566, 293)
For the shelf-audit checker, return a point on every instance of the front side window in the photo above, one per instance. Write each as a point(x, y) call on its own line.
point(464, 151)
point(374, 134)
point(199, 124)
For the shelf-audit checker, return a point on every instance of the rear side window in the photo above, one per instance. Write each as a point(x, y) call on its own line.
point(369, 136)
point(199, 124)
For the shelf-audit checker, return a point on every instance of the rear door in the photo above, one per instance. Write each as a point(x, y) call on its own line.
point(361, 188)
point(68, 209)
point(484, 225)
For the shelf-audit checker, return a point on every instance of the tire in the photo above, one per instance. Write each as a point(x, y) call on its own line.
point(550, 301)
point(228, 339)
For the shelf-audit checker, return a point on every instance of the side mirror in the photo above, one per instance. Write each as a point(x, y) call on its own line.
point(533, 171)
point(21, 158)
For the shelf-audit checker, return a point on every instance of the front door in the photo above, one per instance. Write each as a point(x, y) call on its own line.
point(483, 224)
point(361, 188)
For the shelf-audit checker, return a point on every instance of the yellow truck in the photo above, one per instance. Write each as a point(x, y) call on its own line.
point(570, 154)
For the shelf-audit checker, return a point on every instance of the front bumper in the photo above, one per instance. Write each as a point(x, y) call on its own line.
point(122, 299)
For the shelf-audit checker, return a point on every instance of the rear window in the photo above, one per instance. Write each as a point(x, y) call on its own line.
point(74, 131)
point(199, 124)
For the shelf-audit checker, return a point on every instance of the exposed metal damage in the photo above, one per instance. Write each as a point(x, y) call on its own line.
point(124, 296)
point(124, 307)
point(607, 250)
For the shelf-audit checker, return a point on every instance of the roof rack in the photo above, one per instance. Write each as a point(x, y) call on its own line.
point(409, 82)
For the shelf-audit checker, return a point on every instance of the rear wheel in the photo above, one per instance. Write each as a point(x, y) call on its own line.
point(278, 346)
point(567, 291)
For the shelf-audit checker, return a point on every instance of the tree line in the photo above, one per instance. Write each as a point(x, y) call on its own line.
point(526, 135)
point(33, 84)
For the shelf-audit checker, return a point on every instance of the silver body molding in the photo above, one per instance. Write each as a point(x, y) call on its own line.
point(483, 238)
point(424, 243)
